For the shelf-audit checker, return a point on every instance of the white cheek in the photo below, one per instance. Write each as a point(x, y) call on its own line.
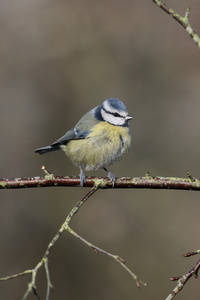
point(112, 119)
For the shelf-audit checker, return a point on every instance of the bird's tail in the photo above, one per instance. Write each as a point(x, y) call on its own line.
point(47, 149)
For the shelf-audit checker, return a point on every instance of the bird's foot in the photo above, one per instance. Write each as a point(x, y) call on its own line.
point(82, 177)
point(111, 176)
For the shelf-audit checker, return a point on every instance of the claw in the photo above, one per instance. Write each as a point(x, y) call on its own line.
point(111, 176)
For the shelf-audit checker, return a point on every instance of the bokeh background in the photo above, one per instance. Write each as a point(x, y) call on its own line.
point(58, 60)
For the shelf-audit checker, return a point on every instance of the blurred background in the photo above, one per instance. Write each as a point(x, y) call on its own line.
point(59, 59)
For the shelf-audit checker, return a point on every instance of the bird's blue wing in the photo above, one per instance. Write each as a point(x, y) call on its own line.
point(69, 135)
point(81, 130)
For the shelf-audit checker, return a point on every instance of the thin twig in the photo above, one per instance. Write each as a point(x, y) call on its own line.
point(96, 250)
point(44, 261)
point(183, 21)
point(16, 275)
point(192, 253)
point(49, 285)
point(181, 280)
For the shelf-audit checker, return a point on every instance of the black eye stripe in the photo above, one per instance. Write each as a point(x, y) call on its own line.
point(115, 114)
point(120, 122)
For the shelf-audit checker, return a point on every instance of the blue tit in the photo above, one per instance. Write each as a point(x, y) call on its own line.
point(100, 138)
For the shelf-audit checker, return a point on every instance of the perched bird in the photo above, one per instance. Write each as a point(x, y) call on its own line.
point(99, 139)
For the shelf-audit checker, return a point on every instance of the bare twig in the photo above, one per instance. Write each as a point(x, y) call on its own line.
point(181, 280)
point(145, 182)
point(44, 261)
point(148, 181)
point(191, 253)
point(183, 21)
point(16, 275)
point(120, 260)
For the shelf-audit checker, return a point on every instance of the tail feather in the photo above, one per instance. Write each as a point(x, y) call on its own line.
point(47, 149)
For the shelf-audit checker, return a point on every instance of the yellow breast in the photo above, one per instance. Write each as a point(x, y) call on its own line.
point(104, 145)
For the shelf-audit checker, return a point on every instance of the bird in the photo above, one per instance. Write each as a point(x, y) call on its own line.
point(100, 138)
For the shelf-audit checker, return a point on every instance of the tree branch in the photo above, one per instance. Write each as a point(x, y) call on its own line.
point(184, 278)
point(183, 21)
point(146, 182)
point(44, 261)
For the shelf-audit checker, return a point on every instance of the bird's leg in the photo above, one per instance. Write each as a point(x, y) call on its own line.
point(111, 176)
point(82, 176)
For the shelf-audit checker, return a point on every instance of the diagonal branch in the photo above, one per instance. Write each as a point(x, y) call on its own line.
point(183, 21)
point(182, 280)
point(44, 261)
point(116, 257)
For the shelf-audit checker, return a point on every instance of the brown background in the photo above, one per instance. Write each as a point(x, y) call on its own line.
point(58, 60)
